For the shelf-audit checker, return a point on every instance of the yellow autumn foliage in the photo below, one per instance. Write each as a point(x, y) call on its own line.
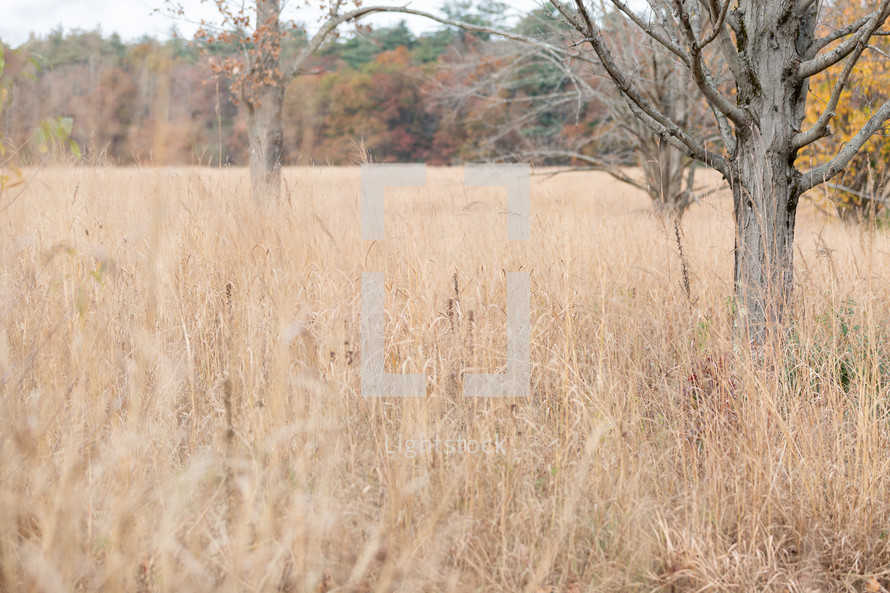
point(857, 190)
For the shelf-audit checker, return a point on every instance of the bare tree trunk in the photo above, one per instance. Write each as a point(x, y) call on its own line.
point(764, 180)
point(266, 144)
point(765, 200)
point(669, 175)
point(263, 93)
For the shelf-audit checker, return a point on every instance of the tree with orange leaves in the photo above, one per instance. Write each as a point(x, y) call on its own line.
point(261, 74)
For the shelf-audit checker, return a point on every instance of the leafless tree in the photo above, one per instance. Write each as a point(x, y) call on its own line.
point(771, 50)
point(538, 105)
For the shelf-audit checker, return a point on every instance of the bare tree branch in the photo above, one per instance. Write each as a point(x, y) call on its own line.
point(596, 164)
point(714, 9)
point(727, 45)
point(824, 42)
point(491, 31)
point(335, 19)
point(700, 73)
point(718, 107)
point(718, 26)
point(827, 171)
point(805, 5)
point(824, 61)
point(660, 123)
point(647, 28)
point(567, 15)
point(820, 128)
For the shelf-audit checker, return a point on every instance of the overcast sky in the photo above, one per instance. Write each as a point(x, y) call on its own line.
point(134, 18)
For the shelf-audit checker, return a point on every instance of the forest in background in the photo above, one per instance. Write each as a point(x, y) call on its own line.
point(154, 102)
point(443, 97)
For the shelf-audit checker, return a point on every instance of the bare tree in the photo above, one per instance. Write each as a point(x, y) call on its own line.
point(537, 105)
point(771, 50)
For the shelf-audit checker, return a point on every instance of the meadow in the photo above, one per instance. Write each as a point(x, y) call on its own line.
point(180, 403)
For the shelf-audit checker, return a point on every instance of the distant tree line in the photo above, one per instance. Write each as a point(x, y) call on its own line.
point(444, 97)
point(162, 103)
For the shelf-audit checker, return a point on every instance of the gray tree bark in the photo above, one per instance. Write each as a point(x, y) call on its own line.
point(764, 181)
point(264, 132)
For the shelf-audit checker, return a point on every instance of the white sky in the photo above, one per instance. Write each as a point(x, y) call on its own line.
point(134, 18)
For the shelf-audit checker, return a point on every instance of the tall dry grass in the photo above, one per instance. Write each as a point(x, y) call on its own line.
point(180, 406)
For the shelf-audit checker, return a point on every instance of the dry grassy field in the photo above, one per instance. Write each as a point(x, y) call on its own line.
point(180, 405)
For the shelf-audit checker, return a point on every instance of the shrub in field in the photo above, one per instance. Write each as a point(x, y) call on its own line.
point(842, 351)
point(51, 138)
